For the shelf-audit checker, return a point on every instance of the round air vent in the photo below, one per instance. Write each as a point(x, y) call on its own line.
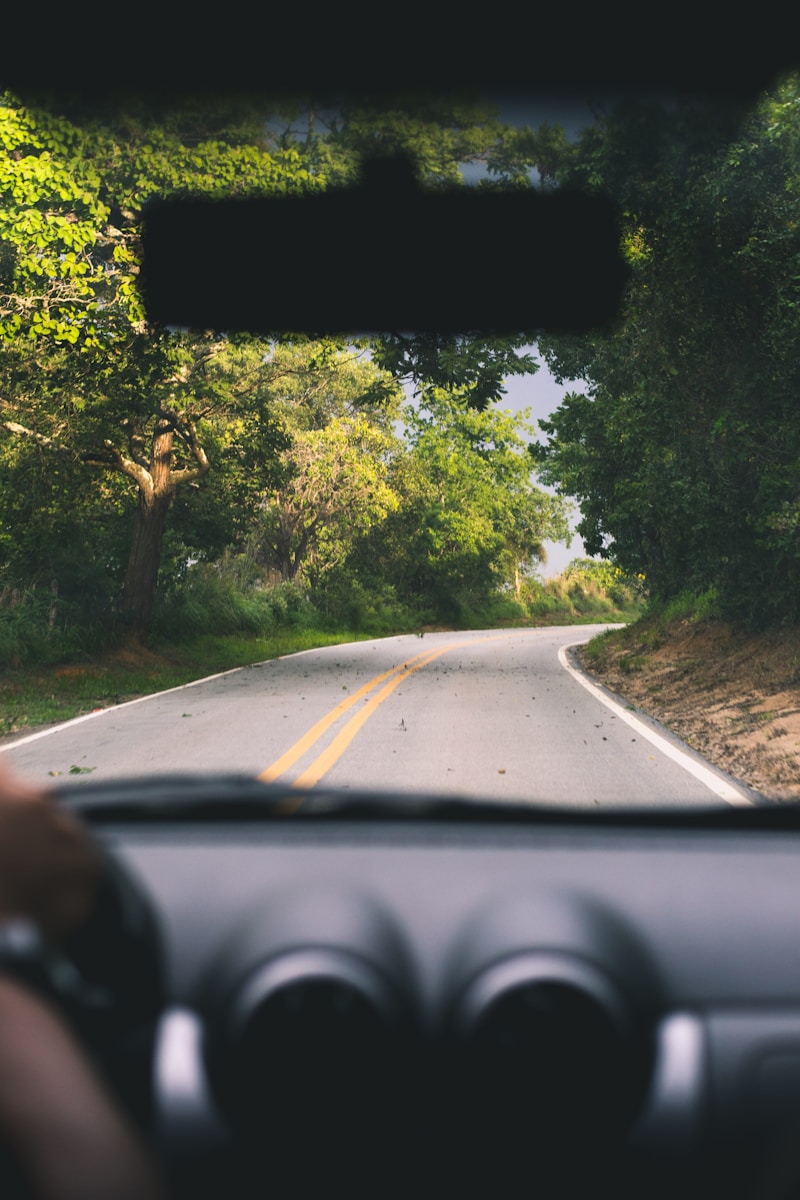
point(308, 1041)
point(546, 1051)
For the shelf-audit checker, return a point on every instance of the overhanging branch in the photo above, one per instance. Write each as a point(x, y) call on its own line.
point(187, 432)
point(116, 461)
point(39, 438)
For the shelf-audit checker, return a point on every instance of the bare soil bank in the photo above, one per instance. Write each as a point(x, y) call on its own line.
point(733, 696)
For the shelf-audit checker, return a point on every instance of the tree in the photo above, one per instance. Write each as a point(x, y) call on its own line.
point(313, 381)
point(85, 378)
point(335, 489)
point(473, 367)
point(472, 521)
point(159, 432)
point(683, 455)
point(133, 400)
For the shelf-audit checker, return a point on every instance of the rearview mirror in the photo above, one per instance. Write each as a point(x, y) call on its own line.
point(385, 255)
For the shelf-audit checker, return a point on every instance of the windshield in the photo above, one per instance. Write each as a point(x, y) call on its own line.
point(551, 564)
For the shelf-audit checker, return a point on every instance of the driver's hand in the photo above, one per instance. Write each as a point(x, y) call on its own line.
point(49, 867)
point(63, 1127)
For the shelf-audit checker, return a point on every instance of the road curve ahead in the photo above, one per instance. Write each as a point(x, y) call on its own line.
point(491, 714)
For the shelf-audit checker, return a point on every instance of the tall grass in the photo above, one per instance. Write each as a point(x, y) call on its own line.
point(587, 591)
point(584, 593)
point(212, 602)
point(35, 627)
point(566, 599)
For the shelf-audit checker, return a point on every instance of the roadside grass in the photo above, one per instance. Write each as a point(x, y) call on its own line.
point(646, 632)
point(31, 696)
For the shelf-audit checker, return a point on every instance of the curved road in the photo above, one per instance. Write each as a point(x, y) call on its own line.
point(493, 714)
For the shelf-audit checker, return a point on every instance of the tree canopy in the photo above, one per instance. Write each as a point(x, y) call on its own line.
point(683, 454)
point(181, 435)
point(471, 520)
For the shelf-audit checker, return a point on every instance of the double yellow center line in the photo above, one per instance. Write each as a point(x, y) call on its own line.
point(336, 748)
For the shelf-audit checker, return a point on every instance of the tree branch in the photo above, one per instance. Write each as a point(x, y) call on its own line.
point(136, 450)
point(188, 434)
point(126, 466)
point(39, 438)
point(200, 356)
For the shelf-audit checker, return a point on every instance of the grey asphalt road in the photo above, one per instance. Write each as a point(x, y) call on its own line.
point(491, 714)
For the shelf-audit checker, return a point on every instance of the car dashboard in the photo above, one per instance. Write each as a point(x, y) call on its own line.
point(482, 999)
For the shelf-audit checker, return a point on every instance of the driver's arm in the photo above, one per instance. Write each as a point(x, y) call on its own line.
point(68, 1136)
point(49, 868)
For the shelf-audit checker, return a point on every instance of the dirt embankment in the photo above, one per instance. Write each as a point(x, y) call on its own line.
point(733, 696)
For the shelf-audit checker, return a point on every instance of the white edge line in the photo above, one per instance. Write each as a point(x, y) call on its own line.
point(112, 708)
point(719, 786)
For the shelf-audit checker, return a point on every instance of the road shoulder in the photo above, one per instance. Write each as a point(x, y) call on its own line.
point(732, 696)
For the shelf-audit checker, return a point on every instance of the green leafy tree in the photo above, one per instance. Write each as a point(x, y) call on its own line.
point(141, 414)
point(472, 521)
point(128, 399)
point(335, 489)
point(314, 381)
point(440, 135)
point(683, 455)
point(473, 367)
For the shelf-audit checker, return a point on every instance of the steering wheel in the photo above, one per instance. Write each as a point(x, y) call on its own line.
point(107, 981)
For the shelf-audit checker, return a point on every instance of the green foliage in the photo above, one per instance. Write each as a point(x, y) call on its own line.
point(472, 367)
point(38, 627)
point(586, 591)
point(53, 527)
point(50, 219)
point(211, 602)
point(372, 609)
point(129, 453)
point(520, 154)
point(150, 405)
point(686, 606)
point(683, 455)
point(74, 186)
point(314, 381)
point(470, 521)
point(439, 134)
point(480, 519)
point(601, 576)
point(331, 482)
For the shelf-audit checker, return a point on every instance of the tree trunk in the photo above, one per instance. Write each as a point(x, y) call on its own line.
point(141, 575)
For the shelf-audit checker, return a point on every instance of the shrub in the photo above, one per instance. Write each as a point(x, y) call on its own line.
point(210, 601)
point(38, 628)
